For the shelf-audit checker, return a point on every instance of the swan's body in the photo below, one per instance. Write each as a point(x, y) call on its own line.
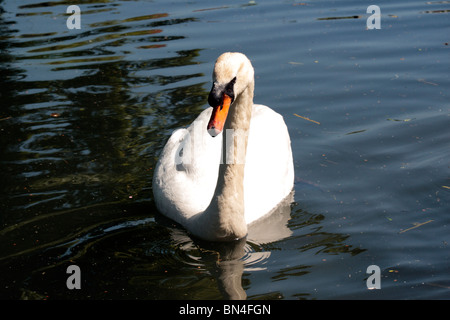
point(216, 198)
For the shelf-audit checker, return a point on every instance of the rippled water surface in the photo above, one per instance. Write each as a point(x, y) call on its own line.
point(85, 112)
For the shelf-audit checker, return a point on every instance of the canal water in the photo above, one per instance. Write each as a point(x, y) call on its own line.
point(85, 112)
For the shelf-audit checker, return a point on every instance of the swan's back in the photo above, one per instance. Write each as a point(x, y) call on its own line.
point(269, 168)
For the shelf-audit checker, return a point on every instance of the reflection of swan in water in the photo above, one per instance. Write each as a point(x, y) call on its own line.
point(236, 256)
point(274, 226)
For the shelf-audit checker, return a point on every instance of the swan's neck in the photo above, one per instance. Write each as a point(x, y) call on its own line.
point(227, 206)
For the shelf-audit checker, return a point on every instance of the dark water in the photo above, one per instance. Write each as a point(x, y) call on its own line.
point(85, 112)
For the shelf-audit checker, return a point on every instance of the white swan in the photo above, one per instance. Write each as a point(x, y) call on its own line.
point(214, 198)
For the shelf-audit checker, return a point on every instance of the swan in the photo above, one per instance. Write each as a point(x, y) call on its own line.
point(232, 166)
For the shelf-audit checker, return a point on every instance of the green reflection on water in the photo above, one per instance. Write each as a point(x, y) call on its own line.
point(79, 151)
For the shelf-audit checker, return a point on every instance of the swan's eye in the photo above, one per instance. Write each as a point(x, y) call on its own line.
point(229, 90)
point(215, 97)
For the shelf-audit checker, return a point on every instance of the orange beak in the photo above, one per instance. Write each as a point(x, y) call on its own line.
point(218, 116)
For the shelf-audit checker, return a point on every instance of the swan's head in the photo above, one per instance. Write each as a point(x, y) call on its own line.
point(233, 73)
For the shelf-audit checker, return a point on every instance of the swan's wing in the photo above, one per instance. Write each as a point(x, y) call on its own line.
point(269, 169)
point(186, 173)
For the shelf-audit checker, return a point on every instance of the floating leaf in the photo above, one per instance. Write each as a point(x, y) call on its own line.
point(404, 120)
point(358, 131)
point(416, 226)
point(427, 82)
point(306, 118)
